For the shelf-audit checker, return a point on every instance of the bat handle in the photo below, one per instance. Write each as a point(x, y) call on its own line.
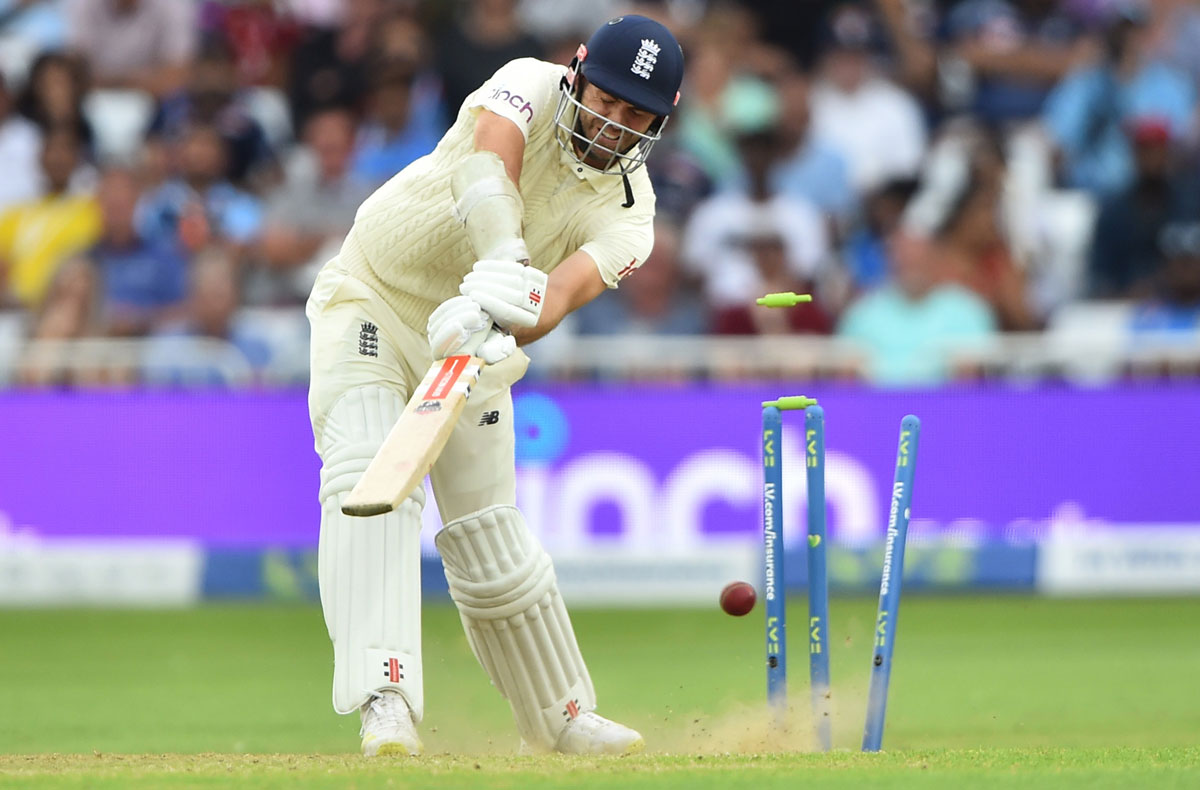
point(476, 340)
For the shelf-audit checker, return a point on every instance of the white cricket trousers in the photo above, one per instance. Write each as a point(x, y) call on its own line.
point(365, 363)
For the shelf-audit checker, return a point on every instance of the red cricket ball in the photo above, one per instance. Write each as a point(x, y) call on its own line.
point(738, 598)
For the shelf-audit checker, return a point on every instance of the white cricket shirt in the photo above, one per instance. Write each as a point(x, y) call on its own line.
point(407, 244)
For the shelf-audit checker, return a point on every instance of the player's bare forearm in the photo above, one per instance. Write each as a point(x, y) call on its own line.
point(573, 283)
point(502, 137)
point(553, 312)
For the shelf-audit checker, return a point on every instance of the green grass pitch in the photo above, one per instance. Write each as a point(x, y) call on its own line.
point(1003, 692)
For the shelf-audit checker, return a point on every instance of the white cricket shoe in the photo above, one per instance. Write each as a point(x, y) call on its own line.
point(591, 733)
point(388, 727)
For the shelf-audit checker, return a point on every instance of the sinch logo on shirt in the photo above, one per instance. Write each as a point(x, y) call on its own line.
point(515, 100)
point(646, 58)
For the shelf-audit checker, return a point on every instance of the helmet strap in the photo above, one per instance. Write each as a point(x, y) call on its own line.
point(628, 190)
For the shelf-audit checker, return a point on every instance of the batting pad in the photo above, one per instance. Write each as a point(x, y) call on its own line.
point(369, 569)
point(507, 596)
point(489, 206)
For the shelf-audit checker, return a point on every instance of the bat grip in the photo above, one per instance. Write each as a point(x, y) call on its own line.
point(476, 340)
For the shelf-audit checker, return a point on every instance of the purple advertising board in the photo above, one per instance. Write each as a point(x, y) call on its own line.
point(646, 469)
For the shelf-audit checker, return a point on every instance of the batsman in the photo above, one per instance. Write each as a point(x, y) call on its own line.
point(533, 203)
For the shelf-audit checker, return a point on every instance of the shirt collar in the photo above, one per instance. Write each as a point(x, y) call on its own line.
point(597, 180)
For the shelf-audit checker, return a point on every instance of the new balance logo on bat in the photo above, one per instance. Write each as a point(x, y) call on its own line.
point(368, 340)
point(489, 418)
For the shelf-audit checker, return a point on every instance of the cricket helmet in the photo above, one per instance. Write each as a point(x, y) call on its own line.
point(635, 59)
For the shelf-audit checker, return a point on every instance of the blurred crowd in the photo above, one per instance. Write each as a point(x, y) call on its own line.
point(934, 171)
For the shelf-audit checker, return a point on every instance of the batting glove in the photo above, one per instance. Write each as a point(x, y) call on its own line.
point(497, 345)
point(510, 292)
point(453, 323)
point(459, 326)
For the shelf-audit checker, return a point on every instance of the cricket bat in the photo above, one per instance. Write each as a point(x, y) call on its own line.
point(417, 439)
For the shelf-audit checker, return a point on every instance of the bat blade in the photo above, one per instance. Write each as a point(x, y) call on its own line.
point(417, 439)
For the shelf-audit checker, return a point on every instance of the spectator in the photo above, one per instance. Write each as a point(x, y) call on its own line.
point(811, 168)
point(20, 142)
point(1174, 33)
point(404, 39)
point(53, 96)
point(975, 254)
point(1089, 112)
point(910, 327)
point(724, 92)
point(654, 300)
point(865, 255)
point(143, 45)
point(714, 247)
point(764, 243)
point(259, 34)
point(391, 136)
point(737, 29)
point(1126, 256)
point(331, 66)
point(143, 280)
point(308, 216)
point(795, 27)
point(490, 31)
point(1175, 303)
point(38, 25)
point(1015, 51)
point(199, 206)
point(178, 353)
point(958, 205)
point(315, 13)
point(70, 311)
point(680, 183)
point(876, 127)
point(559, 20)
point(917, 64)
point(38, 235)
point(212, 97)
point(701, 129)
